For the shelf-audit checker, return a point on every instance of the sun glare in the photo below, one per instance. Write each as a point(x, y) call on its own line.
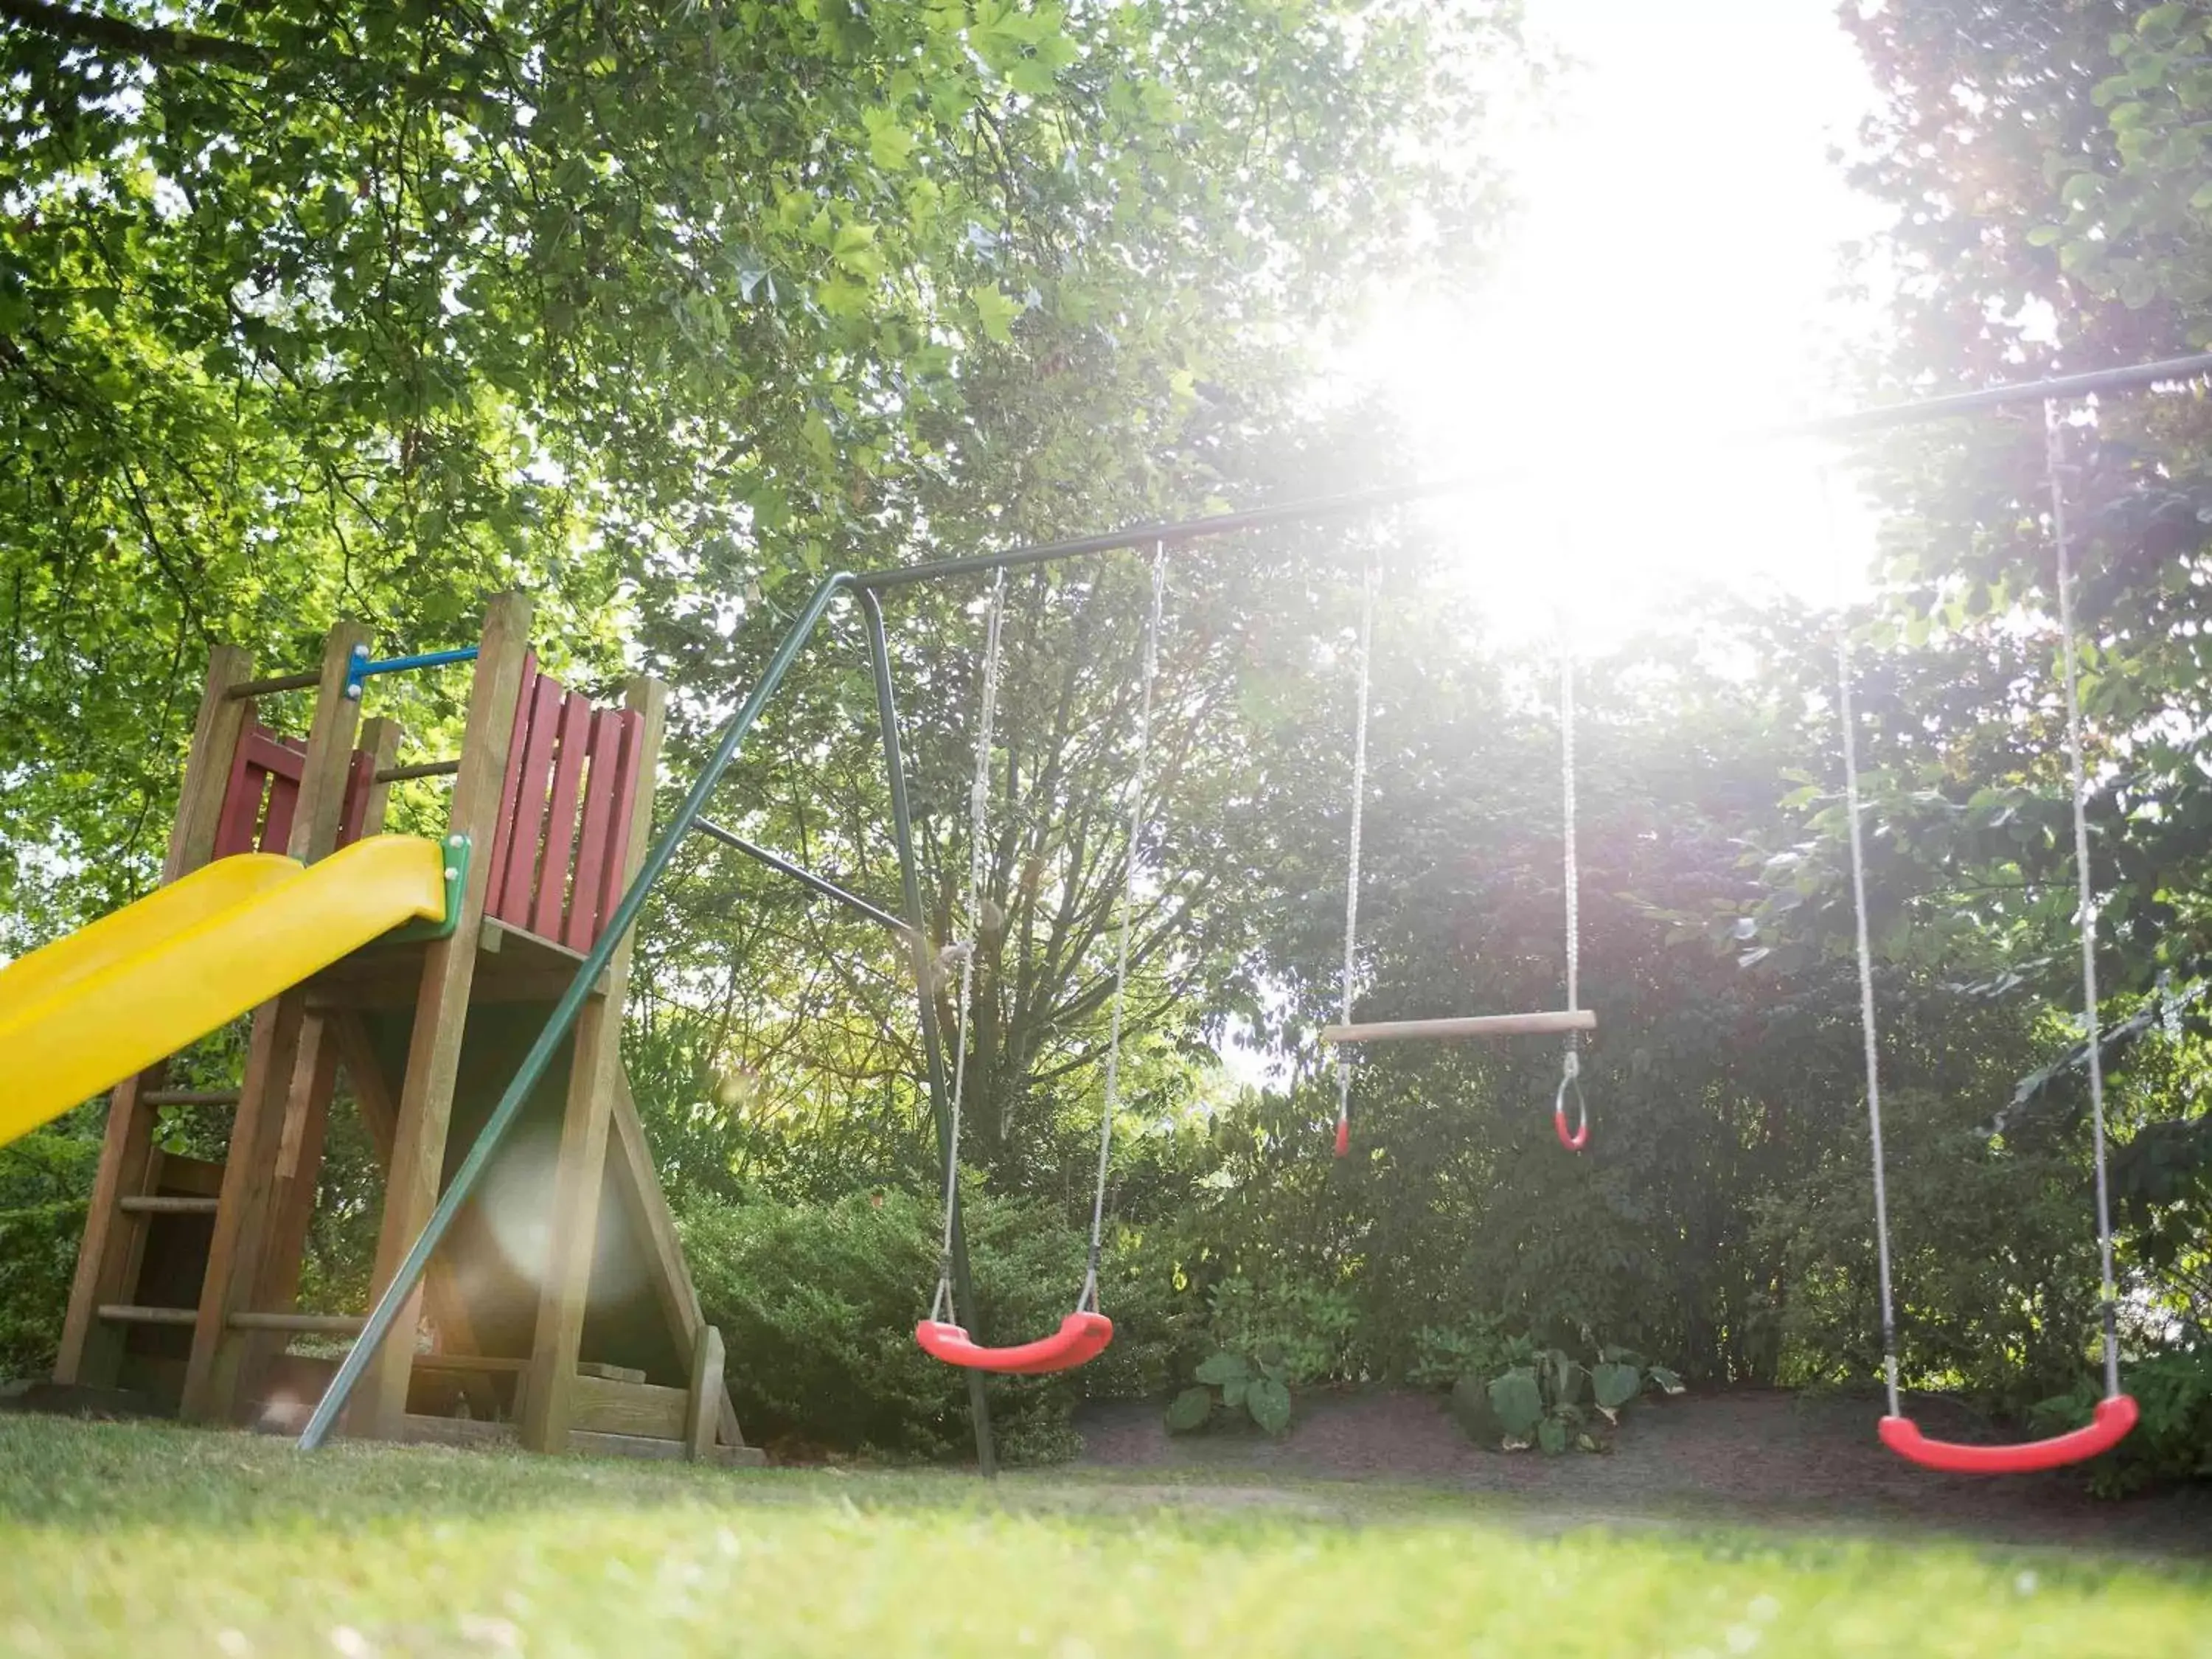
point(1686, 183)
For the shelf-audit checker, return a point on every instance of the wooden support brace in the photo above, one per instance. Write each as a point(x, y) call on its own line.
point(704, 1408)
point(220, 1362)
point(417, 1165)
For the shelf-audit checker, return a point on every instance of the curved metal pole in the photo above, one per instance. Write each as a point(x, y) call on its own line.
point(557, 1024)
point(963, 1287)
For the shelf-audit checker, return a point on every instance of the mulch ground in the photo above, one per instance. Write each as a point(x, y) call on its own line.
point(1741, 1456)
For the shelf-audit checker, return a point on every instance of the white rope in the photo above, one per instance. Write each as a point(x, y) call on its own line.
point(1867, 1030)
point(1352, 866)
point(2054, 458)
point(1089, 1296)
point(979, 801)
point(1571, 1065)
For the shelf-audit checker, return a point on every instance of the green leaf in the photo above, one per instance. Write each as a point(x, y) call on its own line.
point(1518, 1401)
point(1269, 1402)
point(1615, 1384)
point(1232, 1392)
point(1668, 1382)
point(1188, 1410)
point(997, 312)
point(1472, 1410)
point(1222, 1368)
point(1552, 1435)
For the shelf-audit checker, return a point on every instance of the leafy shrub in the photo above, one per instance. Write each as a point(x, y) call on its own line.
point(1234, 1386)
point(817, 1303)
point(1443, 1354)
point(1546, 1398)
point(45, 1179)
point(2171, 1440)
point(1311, 1329)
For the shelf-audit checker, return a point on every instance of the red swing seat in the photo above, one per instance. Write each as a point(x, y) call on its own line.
point(2114, 1417)
point(1082, 1337)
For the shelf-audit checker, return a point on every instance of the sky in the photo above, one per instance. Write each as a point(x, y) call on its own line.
point(1673, 273)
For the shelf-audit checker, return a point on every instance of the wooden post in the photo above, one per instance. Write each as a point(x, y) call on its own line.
point(107, 1257)
point(306, 1118)
point(243, 1213)
point(426, 1097)
point(704, 1411)
point(578, 1176)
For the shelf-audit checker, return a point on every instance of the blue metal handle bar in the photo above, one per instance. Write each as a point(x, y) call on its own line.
point(360, 668)
point(557, 1023)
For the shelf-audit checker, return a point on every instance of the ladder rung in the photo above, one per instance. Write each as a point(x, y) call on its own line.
point(490, 1365)
point(124, 1313)
point(300, 1324)
point(168, 1203)
point(190, 1096)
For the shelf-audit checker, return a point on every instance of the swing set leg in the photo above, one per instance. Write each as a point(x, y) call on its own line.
point(963, 1286)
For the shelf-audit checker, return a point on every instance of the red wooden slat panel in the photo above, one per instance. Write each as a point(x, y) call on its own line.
point(517, 890)
point(241, 803)
point(496, 887)
point(598, 816)
point(612, 880)
point(283, 797)
point(273, 754)
point(361, 778)
point(561, 816)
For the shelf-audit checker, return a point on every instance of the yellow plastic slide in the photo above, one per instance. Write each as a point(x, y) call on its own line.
point(87, 1010)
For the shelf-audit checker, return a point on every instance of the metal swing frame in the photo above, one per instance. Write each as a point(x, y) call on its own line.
point(867, 588)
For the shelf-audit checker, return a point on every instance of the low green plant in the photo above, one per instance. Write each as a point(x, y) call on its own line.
point(2172, 1438)
point(1546, 1398)
point(1476, 1346)
point(1232, 1386)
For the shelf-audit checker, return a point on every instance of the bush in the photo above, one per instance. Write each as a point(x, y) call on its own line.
point(45, 1180)
point(2172, 1439)
point(817, 1303)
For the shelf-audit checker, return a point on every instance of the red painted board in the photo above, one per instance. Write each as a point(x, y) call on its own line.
point(516, 739)
point(598, 814)
point(561, 816)
point(516, 891)
point(612, 879)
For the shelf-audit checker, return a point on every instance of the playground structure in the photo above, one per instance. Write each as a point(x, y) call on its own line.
point(529, 957)
point(560, 1313)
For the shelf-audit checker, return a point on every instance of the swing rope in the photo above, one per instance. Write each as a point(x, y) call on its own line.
point(2116, 1413)
point(1085, 1332)
point(1571, 1066)
point(2054, 456)
point(1089, 1296)
point(979, 804)
point(1344, 1059)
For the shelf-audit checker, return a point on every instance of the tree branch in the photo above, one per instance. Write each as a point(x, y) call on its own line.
point(152, 42)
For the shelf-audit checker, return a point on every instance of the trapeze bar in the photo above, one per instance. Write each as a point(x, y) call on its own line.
point(1553, 1023)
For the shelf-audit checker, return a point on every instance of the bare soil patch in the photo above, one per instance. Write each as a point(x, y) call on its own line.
point(1737, 1456)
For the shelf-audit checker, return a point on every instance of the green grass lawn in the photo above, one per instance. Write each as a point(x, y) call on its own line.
point(148, 1541)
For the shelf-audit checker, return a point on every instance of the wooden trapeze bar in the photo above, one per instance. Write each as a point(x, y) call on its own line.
point(1553, 1023)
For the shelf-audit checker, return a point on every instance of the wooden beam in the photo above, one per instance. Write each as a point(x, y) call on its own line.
point(637, 1181)
point(442, 1005)
point(380, 1116)
point(107, 1255)
point(1557, 1024)
point(217, 1368)
point(702, 1413)
point(598, 1407)
point(579, 1175)
point(306, 1118)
